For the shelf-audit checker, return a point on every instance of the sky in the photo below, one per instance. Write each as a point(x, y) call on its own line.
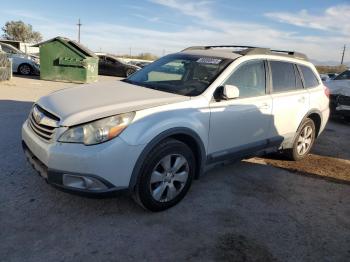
point(318, 28)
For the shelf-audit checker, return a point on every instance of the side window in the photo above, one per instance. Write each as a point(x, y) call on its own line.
point(249, 78)
point(309, 77)
point(343, 76)
point(101, 59)
point(109, 61)
point(283, 76)
point(7, 50)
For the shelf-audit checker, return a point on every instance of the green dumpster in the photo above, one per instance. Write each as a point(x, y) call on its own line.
point(62, 59)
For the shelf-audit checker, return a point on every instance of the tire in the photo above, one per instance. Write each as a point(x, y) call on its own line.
point(25, 69)
point(129, 72)
point(166, 176)
point(303, 141)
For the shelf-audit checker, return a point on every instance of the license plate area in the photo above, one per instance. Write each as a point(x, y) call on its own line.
point(35, 162)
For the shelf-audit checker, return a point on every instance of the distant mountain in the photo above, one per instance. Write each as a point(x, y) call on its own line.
point(328, 63)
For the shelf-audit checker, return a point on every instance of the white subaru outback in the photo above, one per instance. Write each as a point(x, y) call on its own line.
point(157, 130)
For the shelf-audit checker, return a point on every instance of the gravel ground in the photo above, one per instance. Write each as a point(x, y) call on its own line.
point(329, 159)
point(247, 211)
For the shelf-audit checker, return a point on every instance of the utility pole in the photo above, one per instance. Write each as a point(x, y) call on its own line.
point(130, 51)
point(79, 25)
point(342, 57)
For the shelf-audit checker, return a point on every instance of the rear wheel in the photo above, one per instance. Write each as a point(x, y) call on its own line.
point(25, 69)
point(303, 142)
point(166, 176)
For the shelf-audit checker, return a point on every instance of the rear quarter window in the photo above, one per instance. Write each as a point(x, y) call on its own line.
point(310, 78)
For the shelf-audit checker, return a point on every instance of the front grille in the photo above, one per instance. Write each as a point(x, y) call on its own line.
point(45, 130)
point(344, 100)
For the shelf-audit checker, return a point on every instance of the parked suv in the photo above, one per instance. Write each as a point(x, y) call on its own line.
point(157, 130)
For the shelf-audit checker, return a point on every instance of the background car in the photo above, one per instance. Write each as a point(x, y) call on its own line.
point(332, 75)
point(21, 63)
point(324, 77)
point(340, 94)
point(114, 66)
point(141, 64)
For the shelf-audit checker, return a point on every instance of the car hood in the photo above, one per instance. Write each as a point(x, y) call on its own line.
point(85, 103)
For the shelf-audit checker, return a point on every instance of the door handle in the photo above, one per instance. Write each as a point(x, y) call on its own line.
point(301, 99)
point(264, 106)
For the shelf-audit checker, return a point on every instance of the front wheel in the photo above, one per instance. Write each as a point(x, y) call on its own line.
point(166, 176)
point(303, 142)
point(25, 69)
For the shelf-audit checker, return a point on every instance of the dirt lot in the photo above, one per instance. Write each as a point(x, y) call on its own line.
point(261, 209)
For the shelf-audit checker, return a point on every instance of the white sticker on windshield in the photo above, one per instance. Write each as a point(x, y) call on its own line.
point(209, 60)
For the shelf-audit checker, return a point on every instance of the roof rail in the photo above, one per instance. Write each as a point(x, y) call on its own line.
point(216, 46)
point(291, 53)
point(253, 50)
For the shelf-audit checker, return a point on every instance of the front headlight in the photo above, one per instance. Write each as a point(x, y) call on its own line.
point(98, 131)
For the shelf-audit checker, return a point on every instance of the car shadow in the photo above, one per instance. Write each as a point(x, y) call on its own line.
point(36, 77)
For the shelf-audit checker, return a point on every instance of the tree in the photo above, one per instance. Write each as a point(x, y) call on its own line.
point(19, 31)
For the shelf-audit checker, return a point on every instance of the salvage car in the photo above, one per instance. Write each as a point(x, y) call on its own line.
point(21, 63)
point(154, 132)
point(113, 66)
point(339, 92)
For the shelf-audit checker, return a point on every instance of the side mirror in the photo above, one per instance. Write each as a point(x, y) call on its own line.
point(230, 92)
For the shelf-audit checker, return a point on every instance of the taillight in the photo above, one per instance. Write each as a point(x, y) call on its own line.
point(326, 91)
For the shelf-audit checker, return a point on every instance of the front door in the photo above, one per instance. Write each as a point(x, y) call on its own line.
point(242, 125)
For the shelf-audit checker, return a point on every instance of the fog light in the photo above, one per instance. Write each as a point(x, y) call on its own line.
point(83, 182)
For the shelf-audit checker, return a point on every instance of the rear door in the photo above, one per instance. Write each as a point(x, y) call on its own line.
point(290, 100)
point(242, 125)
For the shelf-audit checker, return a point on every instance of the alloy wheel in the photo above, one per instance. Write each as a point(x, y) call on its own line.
point(25, 69)
point(305, 140)
point(169, 177)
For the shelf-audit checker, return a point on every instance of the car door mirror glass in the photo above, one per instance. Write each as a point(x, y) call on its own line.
point(230, 92)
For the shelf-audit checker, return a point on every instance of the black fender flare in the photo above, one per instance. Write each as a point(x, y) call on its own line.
point(165, 134)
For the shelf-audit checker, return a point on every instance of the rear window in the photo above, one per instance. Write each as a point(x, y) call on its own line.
point(309, 77)
point(283, 76)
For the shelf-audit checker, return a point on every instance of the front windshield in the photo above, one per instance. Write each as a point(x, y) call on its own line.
point(182, 74)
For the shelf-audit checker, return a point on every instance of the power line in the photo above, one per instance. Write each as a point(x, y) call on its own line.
point(79, 25)
point(342, 57)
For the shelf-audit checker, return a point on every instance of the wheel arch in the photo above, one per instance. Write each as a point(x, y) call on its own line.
point(317, 119)
point(316, 116)
point(183, 134)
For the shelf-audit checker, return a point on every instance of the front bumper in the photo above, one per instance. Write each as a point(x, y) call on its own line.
point(109, 164)
point(340, 105)
point(57, 177)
